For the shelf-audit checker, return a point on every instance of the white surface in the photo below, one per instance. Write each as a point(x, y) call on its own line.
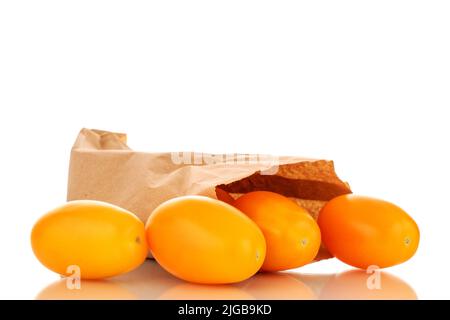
point(365, 84)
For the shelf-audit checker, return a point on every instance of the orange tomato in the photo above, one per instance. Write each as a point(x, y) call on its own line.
point(95, 238)
point(292, 236)
point(203, 240)
point(363, 231)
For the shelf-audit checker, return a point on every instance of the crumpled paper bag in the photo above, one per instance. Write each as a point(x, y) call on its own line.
point(102, 167)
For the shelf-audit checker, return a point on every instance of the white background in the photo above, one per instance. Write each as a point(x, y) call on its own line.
point(365, 83)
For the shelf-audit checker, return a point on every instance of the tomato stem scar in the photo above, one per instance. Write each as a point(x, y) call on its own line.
point(407, 241)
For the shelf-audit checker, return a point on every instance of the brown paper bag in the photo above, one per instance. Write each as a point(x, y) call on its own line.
point(103, 167)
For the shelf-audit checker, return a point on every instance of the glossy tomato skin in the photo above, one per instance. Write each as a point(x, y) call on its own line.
point(363, 231)
point(292, 235)
point(103, 240)
point(204, 240)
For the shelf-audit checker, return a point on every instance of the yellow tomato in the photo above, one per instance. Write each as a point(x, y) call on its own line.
point(203, 240)
point(292, 236)
point(363, 231)
point(94, 238)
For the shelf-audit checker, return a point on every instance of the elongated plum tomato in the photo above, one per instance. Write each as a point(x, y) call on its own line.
point(363, 231)
point(100, 239)
point(292, 235)
point(204, 240)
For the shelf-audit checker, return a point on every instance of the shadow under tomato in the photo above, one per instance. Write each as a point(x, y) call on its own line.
point(191, 291)
point(277, 286)
point(89, 290)
point(359, 285)
point(150, 281)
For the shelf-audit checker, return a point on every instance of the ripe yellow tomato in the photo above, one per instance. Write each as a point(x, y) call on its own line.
point(95, 238)
point(292, 236)
point(203, 240)
point(363, 231)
